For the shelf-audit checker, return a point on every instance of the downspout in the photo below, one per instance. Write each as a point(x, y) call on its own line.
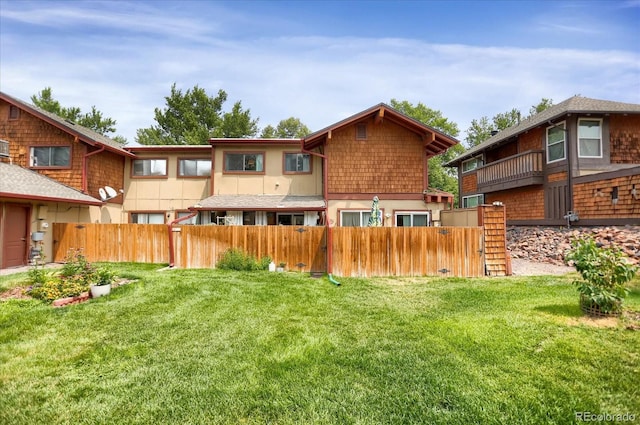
point(325, 195)
point(170, 229)
point(85, 183)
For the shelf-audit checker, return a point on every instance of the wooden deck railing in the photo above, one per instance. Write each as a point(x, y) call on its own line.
point(519, 170)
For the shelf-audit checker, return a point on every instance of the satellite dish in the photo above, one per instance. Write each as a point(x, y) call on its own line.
point(111, 192)
point(103, 194)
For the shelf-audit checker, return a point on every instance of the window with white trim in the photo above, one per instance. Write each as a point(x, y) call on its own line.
point(472, 201)
point(590, 138)
point(149, 167)
point(471, 164)
point(556, 142)
point(412, 219)
point(354, 218)
point(147, 218)
point(244, 162)
point(297, 163)
point(51, 156)
point(194, 167)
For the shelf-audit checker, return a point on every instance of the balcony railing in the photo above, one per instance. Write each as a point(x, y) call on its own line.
point(523, 169)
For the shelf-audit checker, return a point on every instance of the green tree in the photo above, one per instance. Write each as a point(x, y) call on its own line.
point(192, 117)
point(94, 120)
point(290, 128)
point(440, 177)
point(482, 129)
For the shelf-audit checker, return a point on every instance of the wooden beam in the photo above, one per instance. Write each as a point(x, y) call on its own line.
point(329, 135)
point(379, 116)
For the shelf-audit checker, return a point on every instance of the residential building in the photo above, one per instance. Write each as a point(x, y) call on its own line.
point(577, 162)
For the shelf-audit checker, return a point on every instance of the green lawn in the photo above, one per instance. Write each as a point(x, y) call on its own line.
point(206, 346)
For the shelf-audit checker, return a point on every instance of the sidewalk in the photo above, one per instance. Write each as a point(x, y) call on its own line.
point(14, 270)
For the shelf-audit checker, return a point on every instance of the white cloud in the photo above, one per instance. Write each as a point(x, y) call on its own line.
point(320, 80)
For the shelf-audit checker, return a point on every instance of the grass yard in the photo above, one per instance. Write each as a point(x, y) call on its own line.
point(205, 346)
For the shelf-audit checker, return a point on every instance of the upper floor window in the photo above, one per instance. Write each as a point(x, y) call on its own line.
point(354, 218)
point(244, 162)
point(412, 219)
point(472, 201)
point(149, 167)
point(14, 112)
point(590, 138)
point(194, 167)
point(556, 142)
point(471, 164)
point(51, 156)
point(361, 131)
point(297, 163)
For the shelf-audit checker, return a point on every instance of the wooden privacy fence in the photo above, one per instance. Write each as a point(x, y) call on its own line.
point(355, 251)
point(408, 251)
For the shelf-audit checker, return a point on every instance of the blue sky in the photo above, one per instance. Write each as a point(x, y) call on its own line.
point(320, 61)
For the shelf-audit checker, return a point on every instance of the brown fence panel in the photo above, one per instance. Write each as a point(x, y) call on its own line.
point(145, 243)
point(301, 248)
point(404, 251)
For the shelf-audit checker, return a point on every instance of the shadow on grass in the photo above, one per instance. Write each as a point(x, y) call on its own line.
point(563, 310)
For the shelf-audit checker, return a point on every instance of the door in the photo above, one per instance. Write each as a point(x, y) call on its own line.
point(16, 231)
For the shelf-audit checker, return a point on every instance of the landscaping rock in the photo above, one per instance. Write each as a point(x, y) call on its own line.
point(551, 244)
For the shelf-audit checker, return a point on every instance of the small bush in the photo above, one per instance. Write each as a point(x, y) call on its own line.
point(604, 272)
point(237, 259)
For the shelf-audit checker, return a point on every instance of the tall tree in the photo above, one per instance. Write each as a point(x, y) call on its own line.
point(289, 128)
point(440, 177)
point(94, 120)
point(480, 130)
point(192, 117)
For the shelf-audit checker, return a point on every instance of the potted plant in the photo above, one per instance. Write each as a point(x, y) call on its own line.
point(281, 266)
point(604, 272)
point(102, 283)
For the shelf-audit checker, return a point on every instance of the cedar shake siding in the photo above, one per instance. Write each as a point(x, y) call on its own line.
point(469, 183)
point(521, 204)
point(625, 139)
point(356, 166)
point(105, 169)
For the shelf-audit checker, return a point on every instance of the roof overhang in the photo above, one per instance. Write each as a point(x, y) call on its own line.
point(435, 141)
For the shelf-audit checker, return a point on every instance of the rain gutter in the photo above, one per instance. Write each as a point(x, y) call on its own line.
point(85, 183)
point(325, 195)
point(193, 213)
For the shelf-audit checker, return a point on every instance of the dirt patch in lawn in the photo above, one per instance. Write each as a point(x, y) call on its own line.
point(629, 320)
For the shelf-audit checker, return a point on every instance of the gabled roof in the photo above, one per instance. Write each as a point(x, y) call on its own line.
point(436, 142)
point(21, 183)
point(82, 133)
point(575, 104)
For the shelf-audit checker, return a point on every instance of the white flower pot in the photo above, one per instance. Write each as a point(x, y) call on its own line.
point(100, 290)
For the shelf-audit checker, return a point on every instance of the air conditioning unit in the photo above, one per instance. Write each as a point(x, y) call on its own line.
point(4, 149)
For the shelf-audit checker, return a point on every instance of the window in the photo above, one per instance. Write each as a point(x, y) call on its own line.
point(244, 162)
point(147, 218)
point(361, 131)
point(291, 219)
point(555, 142)
point(14, 112)
point(590, 138)
point(297, 163)
point(354, 218)
point(194, 167)
point(472, 201)
point(193, 220)
point(51, 156)
point(471, 164)
point(149, 167)
point(412, 219)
